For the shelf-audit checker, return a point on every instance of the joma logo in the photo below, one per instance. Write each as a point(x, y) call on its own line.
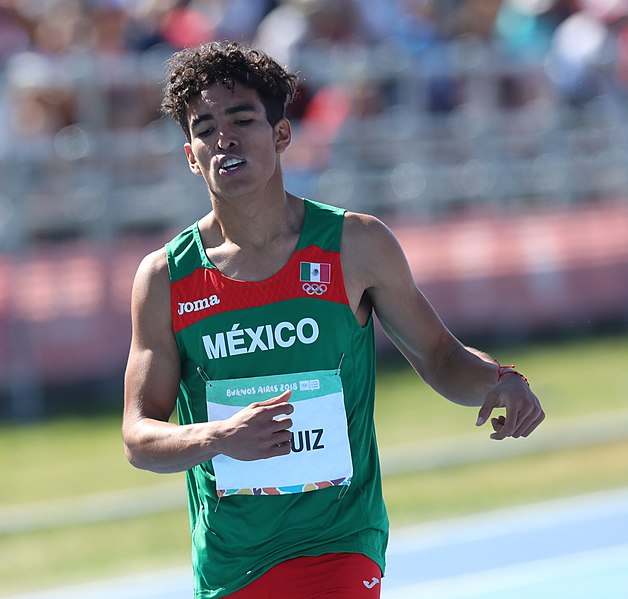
point(201, 304)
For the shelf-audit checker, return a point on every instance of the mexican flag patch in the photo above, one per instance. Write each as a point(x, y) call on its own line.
point(315, 272)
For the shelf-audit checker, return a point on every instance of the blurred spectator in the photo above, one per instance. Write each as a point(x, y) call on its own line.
point(239, 19)
point(145, 23)
point(281, 30)
point(321, 120)
point(186, 26)
point(366, 101)
point(585, 58)
point(41, 96)
point(527, 26)
point(295, 25)
point(14, 35)
point(423, 33)
point(379, 18)
point(49, 49)
point(477, 18)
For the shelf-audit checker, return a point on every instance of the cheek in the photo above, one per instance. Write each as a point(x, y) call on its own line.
point(201, 158)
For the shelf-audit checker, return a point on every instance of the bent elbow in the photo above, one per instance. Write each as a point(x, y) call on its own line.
point(133, 448)
point(133, 456)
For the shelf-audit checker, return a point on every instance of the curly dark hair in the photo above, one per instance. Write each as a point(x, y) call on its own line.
point(192, 70)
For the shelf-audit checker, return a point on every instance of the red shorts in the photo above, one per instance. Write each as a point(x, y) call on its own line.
point(328, 576)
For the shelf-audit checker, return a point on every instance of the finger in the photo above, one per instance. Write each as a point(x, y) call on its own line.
point(281, 424)
point(528, 420)
point(498, 423)
point(528, 413)
point(277, 449)
point(282, 437)
point(533, 419)
point(279, 410)
point(532, 426)
point(508, 428)
point(490, 403)
point(278, 407)
point(284, 397)
point(523, 423)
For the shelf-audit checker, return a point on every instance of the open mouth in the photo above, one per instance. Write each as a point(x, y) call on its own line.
point(231, 165)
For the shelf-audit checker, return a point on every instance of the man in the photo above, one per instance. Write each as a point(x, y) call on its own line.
point(256, 324)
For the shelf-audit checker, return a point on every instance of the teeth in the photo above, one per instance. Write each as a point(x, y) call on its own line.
point(231, 162)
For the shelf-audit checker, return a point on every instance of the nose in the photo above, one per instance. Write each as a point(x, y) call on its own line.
point(226, 139)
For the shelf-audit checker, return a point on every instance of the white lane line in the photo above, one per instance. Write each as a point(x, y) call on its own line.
point(541, 515)
point(534, 518)
point(165, 584)
point(414, 457)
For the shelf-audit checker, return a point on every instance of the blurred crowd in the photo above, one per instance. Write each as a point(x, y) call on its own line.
point(47, 47)
point(405, 108)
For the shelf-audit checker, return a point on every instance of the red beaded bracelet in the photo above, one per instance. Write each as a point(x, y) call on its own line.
point(502, 370)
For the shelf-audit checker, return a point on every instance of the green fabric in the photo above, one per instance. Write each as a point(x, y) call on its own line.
point(238, 538)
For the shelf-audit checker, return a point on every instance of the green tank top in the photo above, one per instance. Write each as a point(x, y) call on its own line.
point(242, 342)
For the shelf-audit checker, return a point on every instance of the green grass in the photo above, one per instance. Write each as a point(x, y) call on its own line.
point(82, 553)
point(484, 486)
point(570, 378)
point(64, 458)
point(82, 456)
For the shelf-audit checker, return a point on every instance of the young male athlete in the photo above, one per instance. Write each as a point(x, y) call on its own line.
point(256, 323)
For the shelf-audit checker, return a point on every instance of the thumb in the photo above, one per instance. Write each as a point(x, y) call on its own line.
point(486, 409)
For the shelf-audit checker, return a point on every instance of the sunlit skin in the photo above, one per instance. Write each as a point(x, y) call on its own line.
point(254, 225)
point(231, 123)
point(250, 234)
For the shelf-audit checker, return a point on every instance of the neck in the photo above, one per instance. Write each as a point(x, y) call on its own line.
point(256, 222)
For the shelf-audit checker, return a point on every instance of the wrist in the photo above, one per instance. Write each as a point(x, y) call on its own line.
point(502, 371)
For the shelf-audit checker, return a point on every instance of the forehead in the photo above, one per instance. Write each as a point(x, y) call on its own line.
point(218, 98)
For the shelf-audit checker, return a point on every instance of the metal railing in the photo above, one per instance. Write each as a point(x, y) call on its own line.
point(116, 168)
point(119, 166)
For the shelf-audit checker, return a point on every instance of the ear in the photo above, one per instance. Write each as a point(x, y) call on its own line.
point(283, 135)
point(192, 163)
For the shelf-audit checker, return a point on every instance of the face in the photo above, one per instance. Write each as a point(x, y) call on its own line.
point(233, 146)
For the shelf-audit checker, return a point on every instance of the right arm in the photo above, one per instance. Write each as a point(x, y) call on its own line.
point(152, 383)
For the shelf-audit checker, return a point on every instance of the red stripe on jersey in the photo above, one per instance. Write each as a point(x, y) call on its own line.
point(207, 292)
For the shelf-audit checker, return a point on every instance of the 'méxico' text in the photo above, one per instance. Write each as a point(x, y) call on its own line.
point(265, 337)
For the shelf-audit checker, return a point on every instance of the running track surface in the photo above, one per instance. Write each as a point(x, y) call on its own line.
point(573, 548)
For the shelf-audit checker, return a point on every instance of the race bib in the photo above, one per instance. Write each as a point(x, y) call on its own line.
point(320, 455)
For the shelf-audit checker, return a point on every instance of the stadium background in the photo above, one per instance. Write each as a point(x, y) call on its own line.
point(490, 135)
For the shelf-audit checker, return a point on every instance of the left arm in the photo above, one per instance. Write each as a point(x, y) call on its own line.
point(376, 265)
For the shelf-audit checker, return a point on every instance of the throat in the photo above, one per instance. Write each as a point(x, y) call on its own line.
point(252, 241)
point(249, 262)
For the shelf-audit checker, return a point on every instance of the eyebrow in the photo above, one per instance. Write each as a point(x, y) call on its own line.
point(197, 120)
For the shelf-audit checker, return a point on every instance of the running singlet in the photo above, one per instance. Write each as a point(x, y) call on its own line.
point(241, 342)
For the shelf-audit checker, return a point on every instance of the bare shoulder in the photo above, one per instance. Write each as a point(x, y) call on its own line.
point(152, 271)
point(154, 264)
point(151, 288)
point(359, 227)
point(370, 248)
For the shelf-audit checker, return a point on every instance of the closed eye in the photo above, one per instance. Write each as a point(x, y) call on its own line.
point(205, 132)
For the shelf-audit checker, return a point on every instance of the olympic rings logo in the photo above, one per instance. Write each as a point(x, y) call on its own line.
point(314, 288)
